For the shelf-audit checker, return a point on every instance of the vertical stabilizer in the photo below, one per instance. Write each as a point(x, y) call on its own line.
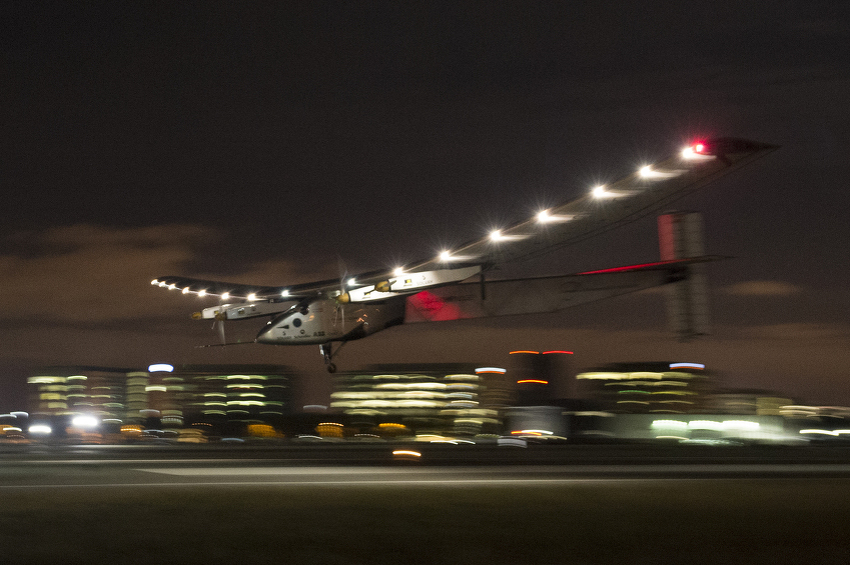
point(680, 236)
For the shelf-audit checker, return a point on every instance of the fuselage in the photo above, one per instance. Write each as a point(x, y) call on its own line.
point(323, 320)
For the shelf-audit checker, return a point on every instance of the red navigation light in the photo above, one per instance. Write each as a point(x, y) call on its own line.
point(699, 148)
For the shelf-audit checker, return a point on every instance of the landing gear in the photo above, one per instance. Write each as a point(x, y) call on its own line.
point(327, 353)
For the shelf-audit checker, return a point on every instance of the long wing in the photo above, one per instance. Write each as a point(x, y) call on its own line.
point(643, 192)
point(542, 294)
point(606, 207)
point(226, 290)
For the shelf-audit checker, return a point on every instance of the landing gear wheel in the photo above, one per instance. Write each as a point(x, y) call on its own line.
point(331, 368)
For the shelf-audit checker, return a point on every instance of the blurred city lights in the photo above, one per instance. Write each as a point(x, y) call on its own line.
point(84, 421)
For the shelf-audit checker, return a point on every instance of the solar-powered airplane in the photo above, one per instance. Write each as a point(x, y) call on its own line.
point(453, 285)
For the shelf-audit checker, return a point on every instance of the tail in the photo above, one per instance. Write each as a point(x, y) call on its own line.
point(680, 236)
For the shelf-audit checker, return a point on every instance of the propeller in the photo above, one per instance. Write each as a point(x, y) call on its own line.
point(218, 322)
point(342, 298)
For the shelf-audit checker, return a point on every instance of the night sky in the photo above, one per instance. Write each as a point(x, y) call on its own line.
point(283, 142)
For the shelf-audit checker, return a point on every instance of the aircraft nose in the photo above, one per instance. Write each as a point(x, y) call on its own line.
point(265, 335)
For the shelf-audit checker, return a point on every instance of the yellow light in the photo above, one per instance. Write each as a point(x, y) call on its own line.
point(185, 290)
point(225, 296)
point(407, 452)
point(252, 297)
point(202, 293)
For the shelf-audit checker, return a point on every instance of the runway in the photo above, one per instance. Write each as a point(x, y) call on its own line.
point(395, 465)
point(84, 505)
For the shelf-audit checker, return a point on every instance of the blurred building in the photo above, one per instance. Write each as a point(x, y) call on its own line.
point(756, 402)
point(213, 395)
point(438, 399)
point(649, 388)
point(222, 395)
point(73, 390)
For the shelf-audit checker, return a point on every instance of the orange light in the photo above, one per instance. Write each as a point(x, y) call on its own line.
point(564, 352)
point(524, 351)
point(533, 381)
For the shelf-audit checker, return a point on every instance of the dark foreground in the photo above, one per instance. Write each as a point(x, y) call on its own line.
point(196, 507)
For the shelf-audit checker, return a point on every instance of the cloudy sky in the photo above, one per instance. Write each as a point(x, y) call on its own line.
point(276, 142)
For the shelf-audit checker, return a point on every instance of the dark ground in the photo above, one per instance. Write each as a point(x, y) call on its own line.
point(83, 506)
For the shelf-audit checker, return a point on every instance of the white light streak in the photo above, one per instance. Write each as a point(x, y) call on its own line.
point(84, 422)
point(544, 217)
point(648, 172)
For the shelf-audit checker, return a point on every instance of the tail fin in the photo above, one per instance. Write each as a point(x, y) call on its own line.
point(680, 236)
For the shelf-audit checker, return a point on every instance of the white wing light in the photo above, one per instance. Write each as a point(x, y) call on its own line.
point(602, 192)
point(546, 217)
point(647, 172)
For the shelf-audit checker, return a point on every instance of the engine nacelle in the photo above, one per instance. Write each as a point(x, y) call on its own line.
point(241, 311)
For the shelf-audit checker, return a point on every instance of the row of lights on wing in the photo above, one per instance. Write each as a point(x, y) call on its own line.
point(203, 292)
point(693, 152)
